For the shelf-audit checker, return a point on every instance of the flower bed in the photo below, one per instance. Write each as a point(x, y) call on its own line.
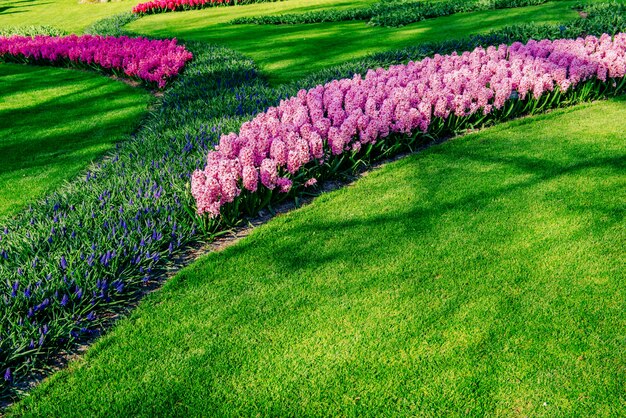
point(81, 255)
point(152, 61)
point(162, 6)
point(385, 13)
point(318, 127)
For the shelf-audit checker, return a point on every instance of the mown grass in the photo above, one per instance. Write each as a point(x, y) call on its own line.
point(74, 16)
point(68, 15)
point(288, 52)
point(53, 122)
point(483, 276)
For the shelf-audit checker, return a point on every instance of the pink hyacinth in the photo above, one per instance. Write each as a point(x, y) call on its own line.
point(343, 115)
point(154, 61)
point(159, 6)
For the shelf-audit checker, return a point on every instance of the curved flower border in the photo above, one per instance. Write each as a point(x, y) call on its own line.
point(350, 116)
point(152, 61)
point(163, 6)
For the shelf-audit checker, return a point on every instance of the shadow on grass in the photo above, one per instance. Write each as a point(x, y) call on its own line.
point(56, 121)
point(414, 221)
point(287, 52)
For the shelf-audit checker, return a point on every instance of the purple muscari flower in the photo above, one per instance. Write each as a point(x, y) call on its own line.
point(91, 316)
point(7, 376)
point(73, 235)
point(45, 329)
point(78, 293)
point(63, 263)
point(119, 286)
point(49, 276)
point(41, 340)
point(27, 292)
point(64, 300)
point(16, 286)
point(20, 271)
point(50, 240)
point(32, 344)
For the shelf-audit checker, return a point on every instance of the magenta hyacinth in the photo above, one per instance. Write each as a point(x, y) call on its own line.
point(158, 6)
point(154, 61)
point(343, 115)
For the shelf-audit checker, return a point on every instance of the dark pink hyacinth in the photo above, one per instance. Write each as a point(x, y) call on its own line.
point(153, 61)
point(159, 6)
point(344, 115)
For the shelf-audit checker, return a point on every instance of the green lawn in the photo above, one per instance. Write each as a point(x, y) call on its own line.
point(287, 52)
point(69, 15)
point(53, 122)
point(481, 277)
point(74, 16)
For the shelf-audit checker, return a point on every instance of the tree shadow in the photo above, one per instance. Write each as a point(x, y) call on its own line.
point(287, 52)
point(293, 253)
point(66, 130)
